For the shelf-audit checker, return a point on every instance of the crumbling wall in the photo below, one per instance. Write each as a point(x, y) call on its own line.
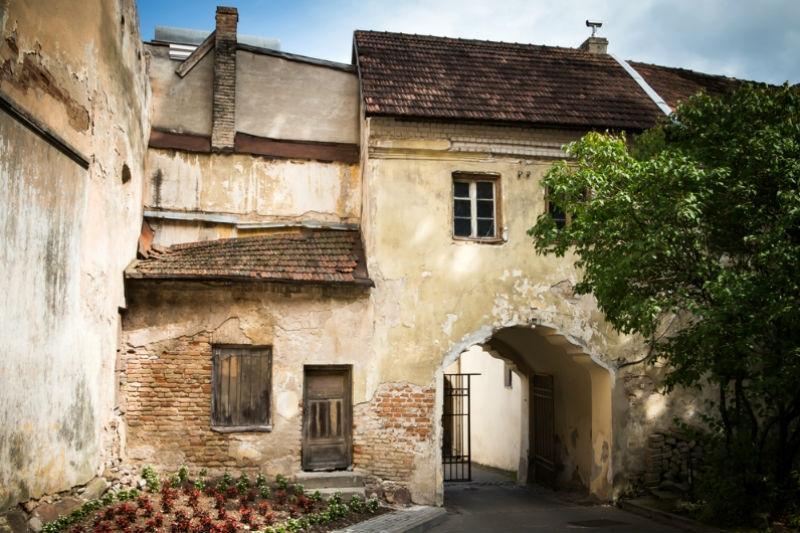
point(166, 373)
point(390, 433)
point(230, 195)
point(77, 69)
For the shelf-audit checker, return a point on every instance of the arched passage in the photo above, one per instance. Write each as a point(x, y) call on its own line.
point(561, 381)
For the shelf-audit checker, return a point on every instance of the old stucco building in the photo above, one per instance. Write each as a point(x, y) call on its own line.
point(74, 120)
point(319, 242)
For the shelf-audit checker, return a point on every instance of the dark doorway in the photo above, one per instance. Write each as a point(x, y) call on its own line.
point(327, 418)
point(544, 468)
point(456, 456)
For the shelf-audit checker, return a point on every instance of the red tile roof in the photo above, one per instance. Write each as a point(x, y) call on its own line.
point(304, 256)
point(442, 78)
point(676, 84)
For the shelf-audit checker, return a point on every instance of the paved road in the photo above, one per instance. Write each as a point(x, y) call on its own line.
point(507, 508)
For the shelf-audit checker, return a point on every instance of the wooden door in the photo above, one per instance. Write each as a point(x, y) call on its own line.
point(544, 449)
point(327, 418)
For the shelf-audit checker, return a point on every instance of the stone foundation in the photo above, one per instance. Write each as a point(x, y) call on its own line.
point(672, 462)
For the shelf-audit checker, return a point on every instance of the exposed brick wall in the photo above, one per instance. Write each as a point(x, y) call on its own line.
point(392, 429)
point(166, 389)
point(168, 400)
point(223, 128)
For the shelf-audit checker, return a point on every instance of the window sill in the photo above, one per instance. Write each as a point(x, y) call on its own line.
point(478, 240)
point(242, 429)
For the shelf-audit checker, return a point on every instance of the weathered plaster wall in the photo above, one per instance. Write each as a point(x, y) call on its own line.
point(168, 335)
point(275, 97)
point(181, 105)
point(67, 233)
point(435, 296)
point(283, 99)
point(572, 398)
point(249, 190)
point(495, 421)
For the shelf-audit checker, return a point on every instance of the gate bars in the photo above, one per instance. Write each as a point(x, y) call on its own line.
point(456, 441)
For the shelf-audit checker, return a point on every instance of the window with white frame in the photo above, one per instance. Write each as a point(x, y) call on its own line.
point(475, 209)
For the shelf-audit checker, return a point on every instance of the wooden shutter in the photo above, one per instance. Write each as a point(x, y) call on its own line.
point(241, 387)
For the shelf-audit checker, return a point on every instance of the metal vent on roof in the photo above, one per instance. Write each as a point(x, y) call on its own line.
point(180, 51)
point(183, 41)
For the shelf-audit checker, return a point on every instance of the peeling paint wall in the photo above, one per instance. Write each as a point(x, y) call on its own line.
point(68, 233)
point(435, 296)
point(249, 190)
point(194, 196)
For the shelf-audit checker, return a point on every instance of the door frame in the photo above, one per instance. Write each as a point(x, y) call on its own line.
point(347, 370)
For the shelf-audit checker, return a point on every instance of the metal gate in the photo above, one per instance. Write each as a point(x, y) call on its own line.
point(456, 457)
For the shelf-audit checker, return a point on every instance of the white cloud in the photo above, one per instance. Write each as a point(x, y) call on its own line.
point(754, 40)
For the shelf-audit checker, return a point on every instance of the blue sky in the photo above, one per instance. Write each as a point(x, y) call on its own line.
point(751, 39)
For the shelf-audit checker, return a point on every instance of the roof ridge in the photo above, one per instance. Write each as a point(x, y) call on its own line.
point(681, 69)
point(477, 41)
point(301, 231)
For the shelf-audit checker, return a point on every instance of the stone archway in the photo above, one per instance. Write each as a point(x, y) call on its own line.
point(582, 399)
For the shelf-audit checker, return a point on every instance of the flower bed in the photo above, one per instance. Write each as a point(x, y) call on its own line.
point(226, 505)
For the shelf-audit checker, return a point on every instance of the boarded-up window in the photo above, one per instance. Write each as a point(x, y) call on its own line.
point(242, 376)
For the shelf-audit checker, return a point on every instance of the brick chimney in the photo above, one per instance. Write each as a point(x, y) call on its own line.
point(223, 127)
point(595, 45)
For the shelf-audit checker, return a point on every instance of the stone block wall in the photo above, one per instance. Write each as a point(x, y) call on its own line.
point(672, 462)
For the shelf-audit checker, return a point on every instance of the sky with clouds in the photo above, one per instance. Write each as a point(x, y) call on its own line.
point(750, 39)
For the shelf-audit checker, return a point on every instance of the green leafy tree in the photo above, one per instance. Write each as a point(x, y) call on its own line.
point(690, 237)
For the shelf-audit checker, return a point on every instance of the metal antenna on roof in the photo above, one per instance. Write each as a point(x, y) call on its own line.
point(594, 25)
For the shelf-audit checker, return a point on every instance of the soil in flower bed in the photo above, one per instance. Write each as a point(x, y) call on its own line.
point(227, 506)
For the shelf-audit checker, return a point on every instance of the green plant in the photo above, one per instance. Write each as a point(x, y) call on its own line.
point(261, 480)
point(298, 489)
point(372, 505)
point(225, 482)
point(264, 491)
point(183, 473)
point(316, 496)
point(243, 483)
point(151, 478)
point(357, 505)
point(281, 482)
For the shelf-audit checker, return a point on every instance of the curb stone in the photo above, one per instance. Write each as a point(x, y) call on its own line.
point(411, 520)
point(687, 524)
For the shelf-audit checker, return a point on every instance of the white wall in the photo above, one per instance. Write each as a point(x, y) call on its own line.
point(495, 418)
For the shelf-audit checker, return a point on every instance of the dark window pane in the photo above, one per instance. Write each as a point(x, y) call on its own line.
point(485, 209)
point(461, 208)
point(462, 227)
point(485, 189)
point(485, 228)
point(558, 216)
point(461, 189)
